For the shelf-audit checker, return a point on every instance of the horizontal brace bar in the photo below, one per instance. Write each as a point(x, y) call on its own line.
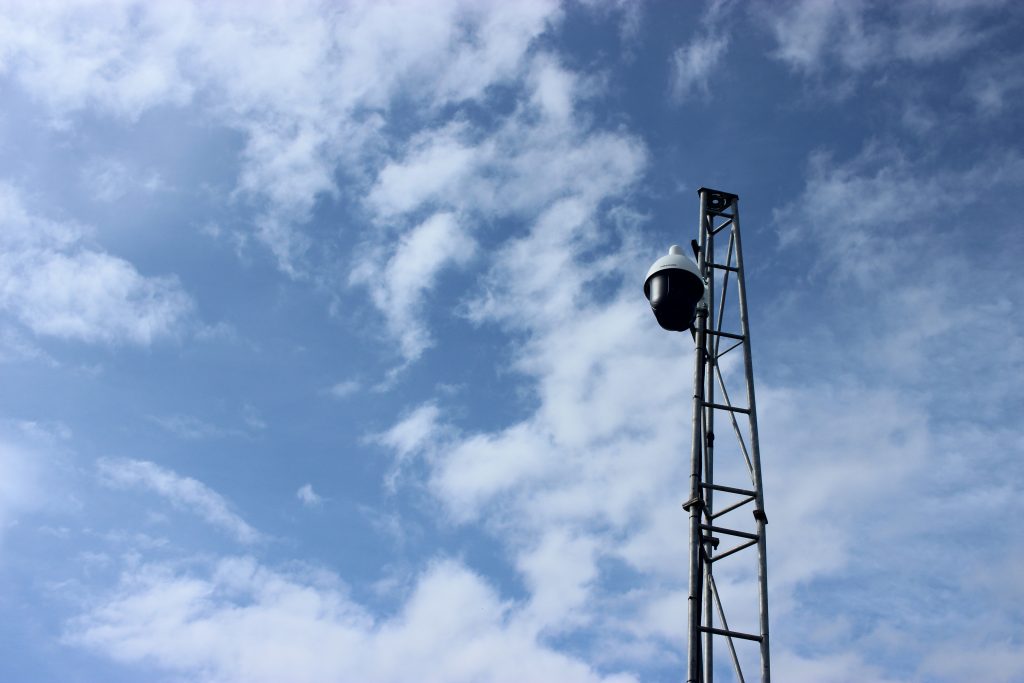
point(730, 532)
point(733, 409)
point(730, 634)
point(739, 503)
point(730, 489)
point(730, 551)
point(730, 335)
point(731, 269)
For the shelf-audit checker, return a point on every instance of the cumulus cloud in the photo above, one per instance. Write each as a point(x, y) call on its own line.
point(52, 282)
point(241, 621)
point(182, 492)
point(308, 496)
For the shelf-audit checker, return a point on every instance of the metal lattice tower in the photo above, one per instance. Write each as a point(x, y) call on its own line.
point(721, 333)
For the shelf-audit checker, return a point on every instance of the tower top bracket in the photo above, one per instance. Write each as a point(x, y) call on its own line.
point(717, 201)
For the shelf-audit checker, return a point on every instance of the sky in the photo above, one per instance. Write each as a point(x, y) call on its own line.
point(325, 356)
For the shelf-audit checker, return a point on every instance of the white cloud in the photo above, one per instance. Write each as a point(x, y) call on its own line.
point(826, 669)
point(558, 572)
point(999, 662)
point(399, 287)
point(802, 30)
point(35, 480)
point(884, 223)
point(57, 286)
point(435, 162)
point(108, 180)
point(414, 434)
point(693, 64)
point(15, 346)
point(568, 467)
point(850, 209)
point(481, 467)
point(875, 441)
point(542, 268)
point(888, 236)
point(182, 492)
point(252, 419)
point(126, 62)
point(191, 427)
point(995, 85)
point(308, 496)
point(858, 34)
point(310, 85)
point(554, 91)
point(577, 473)
point(22, 474)
point(244, 622)
point(545, 157)
point(345, 388)
point(93, 297)
point(311, 88)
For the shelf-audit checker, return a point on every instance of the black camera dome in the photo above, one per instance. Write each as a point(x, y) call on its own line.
point(674, 287)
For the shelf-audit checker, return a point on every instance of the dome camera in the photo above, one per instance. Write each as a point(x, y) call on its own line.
point(674, 288)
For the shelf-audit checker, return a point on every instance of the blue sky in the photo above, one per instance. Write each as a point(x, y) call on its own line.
point(325, 355)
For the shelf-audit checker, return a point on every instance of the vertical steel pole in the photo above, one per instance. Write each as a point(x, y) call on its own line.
point(709, 445)
point(693, 667)
point(755, 449)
